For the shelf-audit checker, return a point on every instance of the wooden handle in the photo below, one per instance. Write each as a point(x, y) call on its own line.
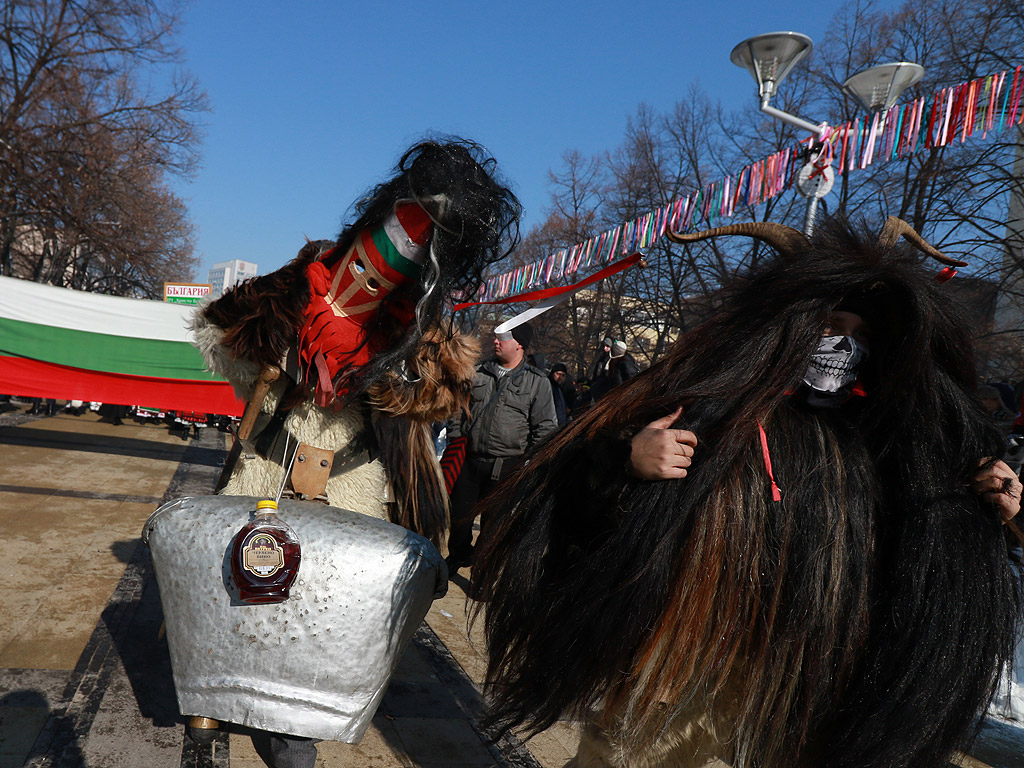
point(267, 377)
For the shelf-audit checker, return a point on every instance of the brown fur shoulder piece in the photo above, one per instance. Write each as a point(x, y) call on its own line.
point(262, 316)
point(208, 338)
point(441, 382)
point(444, 365)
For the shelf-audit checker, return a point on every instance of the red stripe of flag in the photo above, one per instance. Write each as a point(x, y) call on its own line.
point(34, 378)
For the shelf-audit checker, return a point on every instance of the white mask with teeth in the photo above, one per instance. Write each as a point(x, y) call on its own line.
point(833, 367)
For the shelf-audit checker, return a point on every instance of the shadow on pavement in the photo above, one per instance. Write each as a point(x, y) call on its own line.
point(123, 550)
point(144, 654)
point(37, 491)
point(460, 581)
point(25, 714)
point(116, 446)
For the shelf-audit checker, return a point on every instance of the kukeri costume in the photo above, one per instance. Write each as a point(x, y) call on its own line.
point(822, 589)
point(345, 360)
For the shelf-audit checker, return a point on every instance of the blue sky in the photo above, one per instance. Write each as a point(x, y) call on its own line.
point(313, 102)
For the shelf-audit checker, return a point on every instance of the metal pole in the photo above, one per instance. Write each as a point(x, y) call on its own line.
point(785, 117)
point(809, 214)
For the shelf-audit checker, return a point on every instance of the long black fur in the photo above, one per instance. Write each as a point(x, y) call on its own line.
point(861, 621)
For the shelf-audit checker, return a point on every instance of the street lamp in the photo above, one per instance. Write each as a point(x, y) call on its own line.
point(769, 58)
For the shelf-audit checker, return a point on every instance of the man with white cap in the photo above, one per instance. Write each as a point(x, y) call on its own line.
point(512, 410)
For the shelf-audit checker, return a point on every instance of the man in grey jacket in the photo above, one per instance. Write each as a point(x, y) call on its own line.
point(511, 411)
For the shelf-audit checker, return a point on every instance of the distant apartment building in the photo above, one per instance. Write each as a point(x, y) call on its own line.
point(225, 274)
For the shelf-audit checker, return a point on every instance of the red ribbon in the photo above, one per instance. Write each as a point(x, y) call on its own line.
point(546, 293)
point(776, 493)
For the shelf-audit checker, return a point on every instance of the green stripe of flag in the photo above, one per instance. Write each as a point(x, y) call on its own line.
point(103, 352)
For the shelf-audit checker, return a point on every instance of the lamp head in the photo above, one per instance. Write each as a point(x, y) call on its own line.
point(769, 58)
point(878, 88)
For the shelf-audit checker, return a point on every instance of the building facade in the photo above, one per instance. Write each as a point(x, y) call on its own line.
point(225, 274)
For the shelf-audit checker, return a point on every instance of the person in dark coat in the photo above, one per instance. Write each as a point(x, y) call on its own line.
point(511, 411)
point(557, 375)
point(616, 369)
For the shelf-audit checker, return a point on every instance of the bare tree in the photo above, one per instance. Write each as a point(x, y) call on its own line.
point(86, 145)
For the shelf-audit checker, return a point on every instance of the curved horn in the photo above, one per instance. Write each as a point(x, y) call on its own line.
point(896, 227)
point(783, 239)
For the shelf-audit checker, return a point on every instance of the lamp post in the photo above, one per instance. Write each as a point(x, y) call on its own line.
point(769, 58)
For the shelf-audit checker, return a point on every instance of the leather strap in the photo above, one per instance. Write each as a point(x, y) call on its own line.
point(311, 471)
point(324, 387)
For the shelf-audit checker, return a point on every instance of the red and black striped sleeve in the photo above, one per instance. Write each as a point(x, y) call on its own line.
point(452, 459)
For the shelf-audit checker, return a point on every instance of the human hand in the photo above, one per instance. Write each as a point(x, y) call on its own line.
point(658, 452)
point(999, 485)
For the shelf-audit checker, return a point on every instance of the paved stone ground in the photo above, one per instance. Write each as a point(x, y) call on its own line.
point(85, 676)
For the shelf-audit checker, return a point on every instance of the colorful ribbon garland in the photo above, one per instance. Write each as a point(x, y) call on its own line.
point(989, 103)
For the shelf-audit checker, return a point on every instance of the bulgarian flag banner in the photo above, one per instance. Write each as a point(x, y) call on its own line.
point(73, 345)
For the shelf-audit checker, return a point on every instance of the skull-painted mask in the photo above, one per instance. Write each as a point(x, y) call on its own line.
point(833, 367)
